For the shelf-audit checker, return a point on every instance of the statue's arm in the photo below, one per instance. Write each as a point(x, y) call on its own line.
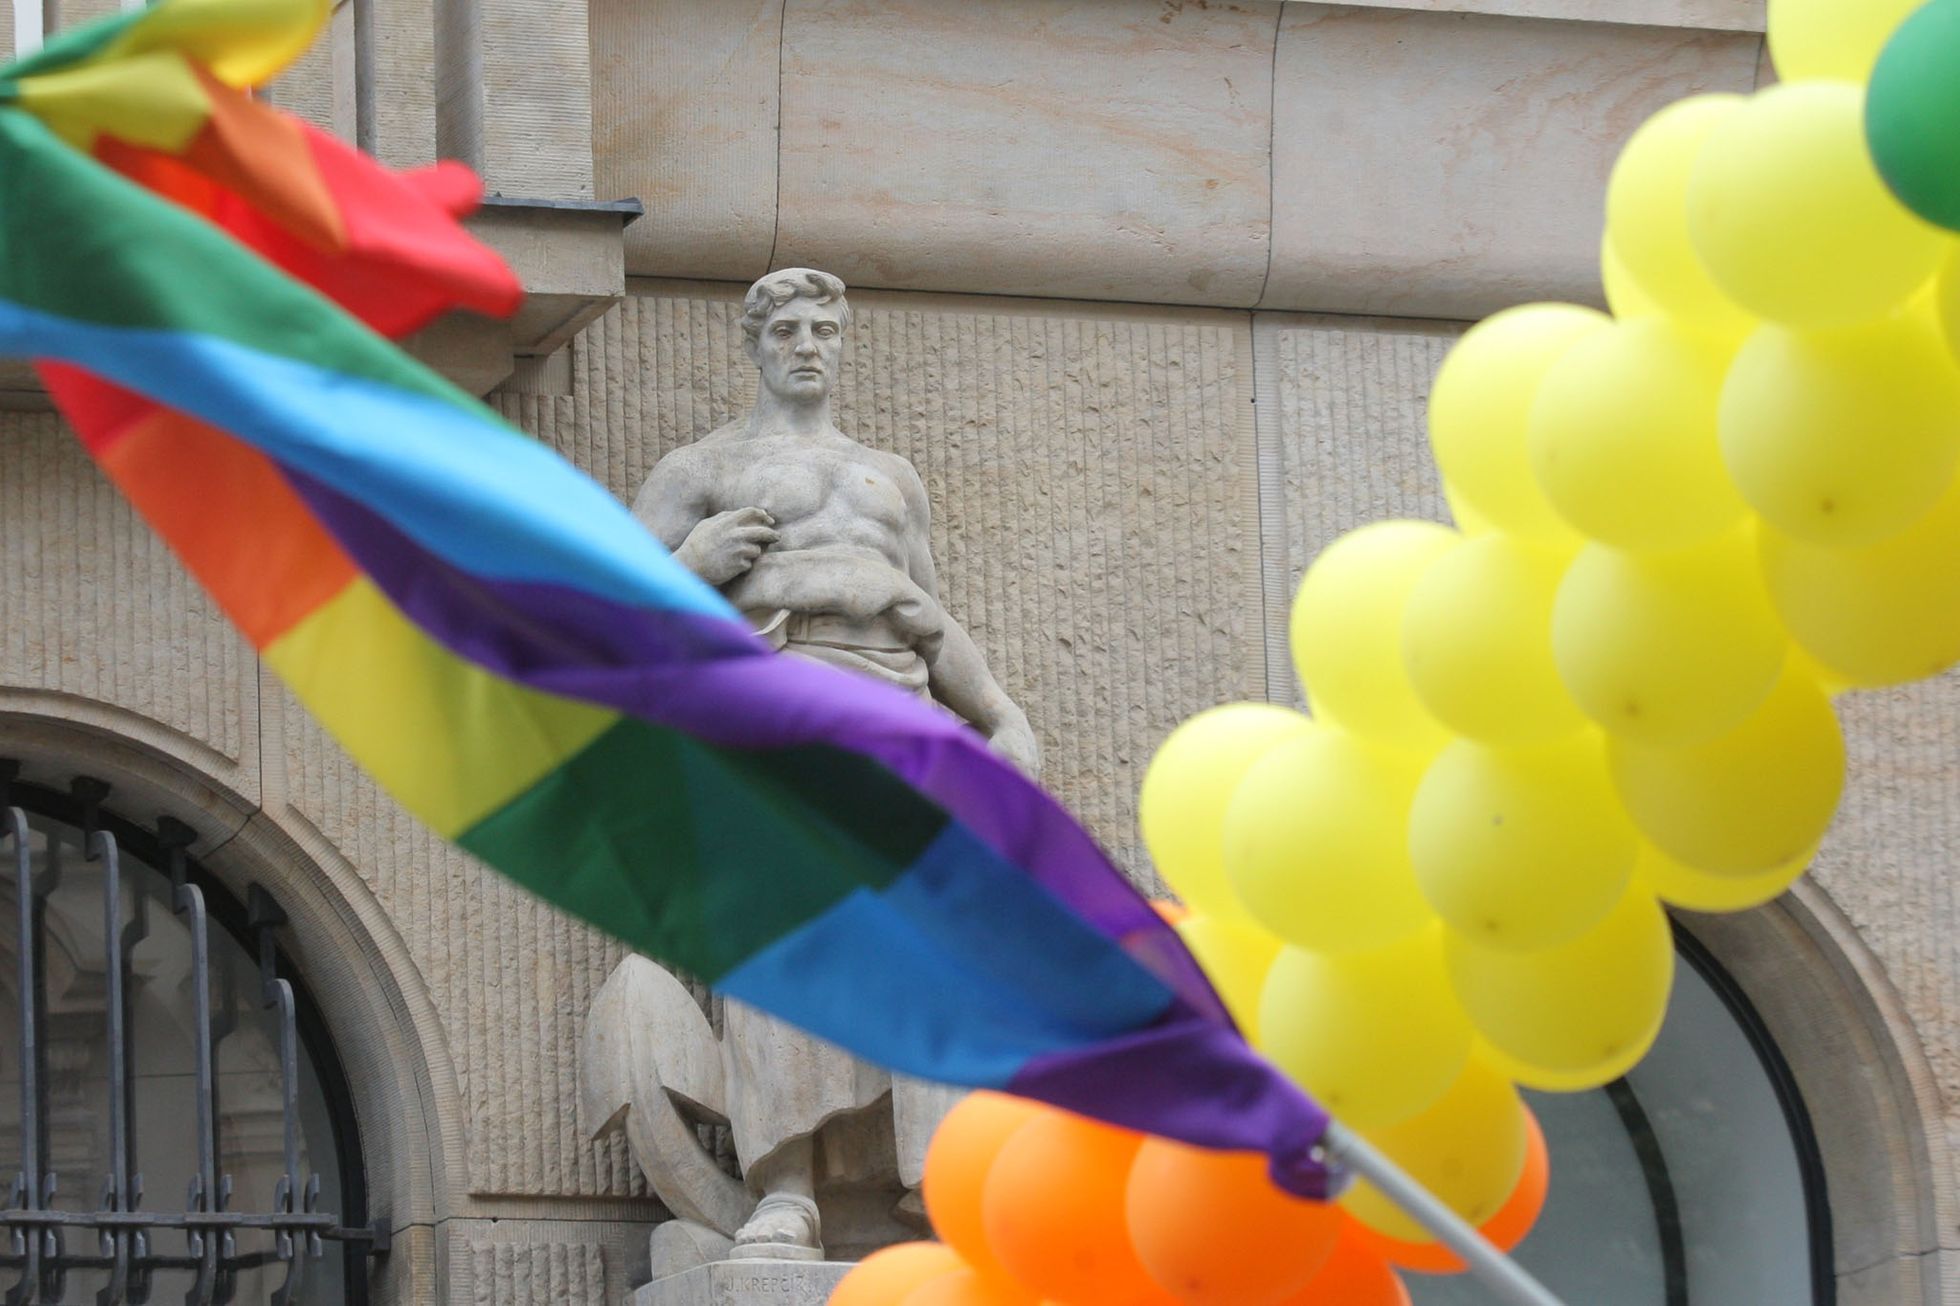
point(675, 505)
point(674, 499)
point(959, 677)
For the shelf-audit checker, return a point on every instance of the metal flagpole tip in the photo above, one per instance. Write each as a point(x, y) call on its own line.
point(1508, 1281)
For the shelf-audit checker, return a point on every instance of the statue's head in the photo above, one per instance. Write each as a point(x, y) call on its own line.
point(793, 325)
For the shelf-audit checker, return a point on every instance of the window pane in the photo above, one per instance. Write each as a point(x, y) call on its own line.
point(162, 1014)
point(1705, 1107)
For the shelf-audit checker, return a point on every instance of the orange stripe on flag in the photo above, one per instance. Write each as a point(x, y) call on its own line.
point(208, 495)
point(261, 155)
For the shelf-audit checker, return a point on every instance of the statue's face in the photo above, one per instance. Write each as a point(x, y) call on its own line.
point(799, 348)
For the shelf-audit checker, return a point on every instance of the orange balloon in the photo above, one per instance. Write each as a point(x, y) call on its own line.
point(961, 1152)
point(1506, 1229)
point(1053, 1211)
point(1355, 1275)
point(963, 1288)
point(886, 1278)
point(1154, 1297)
point(1211, 1228)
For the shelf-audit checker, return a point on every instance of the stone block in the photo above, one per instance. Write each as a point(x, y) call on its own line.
point(514, 95)
point(403, 94)
point(1449, 164)
point(545, 1258)
point(1076, 148)
point(310, 88)
point(684, 104)
point(1708, 15)
point(746, 1283)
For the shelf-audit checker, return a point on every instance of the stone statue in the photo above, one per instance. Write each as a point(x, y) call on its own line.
point(825, 545)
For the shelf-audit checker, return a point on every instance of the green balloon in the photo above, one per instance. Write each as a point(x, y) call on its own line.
point(1912, 113)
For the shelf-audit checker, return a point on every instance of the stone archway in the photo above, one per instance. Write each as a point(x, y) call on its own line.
point(352, 960)
point(1871, 1095)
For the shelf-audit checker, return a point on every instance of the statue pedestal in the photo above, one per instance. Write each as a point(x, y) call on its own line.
point(746, 1282)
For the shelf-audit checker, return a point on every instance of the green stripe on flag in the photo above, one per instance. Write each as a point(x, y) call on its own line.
point(624, 834)
point(79, 241)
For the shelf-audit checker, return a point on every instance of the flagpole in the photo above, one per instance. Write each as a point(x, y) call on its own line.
point(1498, 1272)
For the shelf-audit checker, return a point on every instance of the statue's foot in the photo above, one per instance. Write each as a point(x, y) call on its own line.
point(785, 1227)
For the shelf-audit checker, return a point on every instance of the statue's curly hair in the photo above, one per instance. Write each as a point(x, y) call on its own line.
point(778, 288)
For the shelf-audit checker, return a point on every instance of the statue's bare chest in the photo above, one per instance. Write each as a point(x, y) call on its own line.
point(797, 481)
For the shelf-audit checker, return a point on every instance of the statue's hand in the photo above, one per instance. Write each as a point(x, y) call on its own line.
point(723, 546)
point(1013, 738)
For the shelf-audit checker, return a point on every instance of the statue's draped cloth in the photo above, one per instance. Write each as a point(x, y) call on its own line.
point(847, 608)
point(859, 613)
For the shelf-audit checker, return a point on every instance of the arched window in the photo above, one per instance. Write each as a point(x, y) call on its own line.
point(1694, 1181)
point(174, 1125)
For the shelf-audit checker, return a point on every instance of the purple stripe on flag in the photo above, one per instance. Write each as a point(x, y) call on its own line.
point(714, 680)
point(1224, 1096)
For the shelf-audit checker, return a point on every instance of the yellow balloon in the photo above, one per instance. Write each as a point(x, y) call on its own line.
point(1647, 219)
point(1468, 520)
point(1374, 1036)
point(1315, 842)
point(1625, 299)
point(1668, 648)
point(1623, 437)
point(1468, 1149)
point(1684, 886)
point(1747, 801)
point(1845, 437)
point(1347, 631)
point(1787, 212)
point(1480, 406)
point(1881, 615)
point(1577, 1015)
point(1235, 958)
point(1831, 682)
point(1185, 790)
point(1521, 848)
point(1477, 641)
point(1943, 303)
point(1550, 1081)
point(1837, 39)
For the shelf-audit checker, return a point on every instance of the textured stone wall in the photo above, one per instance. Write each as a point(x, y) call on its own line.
point(100, 626)
point(1429, 159)
point(514, 95)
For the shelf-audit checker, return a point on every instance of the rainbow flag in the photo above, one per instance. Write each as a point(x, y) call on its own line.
point(512, 656)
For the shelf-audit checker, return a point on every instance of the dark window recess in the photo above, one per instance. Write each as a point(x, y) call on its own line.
point(140, 1042)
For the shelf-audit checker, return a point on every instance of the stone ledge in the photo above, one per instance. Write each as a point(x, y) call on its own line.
point(739, 1283)
point(1703, 15)
point(570, 255)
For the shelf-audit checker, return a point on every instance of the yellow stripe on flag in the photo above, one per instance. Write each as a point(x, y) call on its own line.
point(151, 100)
point(451, 741)
point(243, 42)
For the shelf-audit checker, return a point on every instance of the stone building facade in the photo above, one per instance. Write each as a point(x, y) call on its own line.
point(1151, 292)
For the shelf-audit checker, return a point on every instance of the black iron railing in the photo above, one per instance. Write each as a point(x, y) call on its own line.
point(40, 1245)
